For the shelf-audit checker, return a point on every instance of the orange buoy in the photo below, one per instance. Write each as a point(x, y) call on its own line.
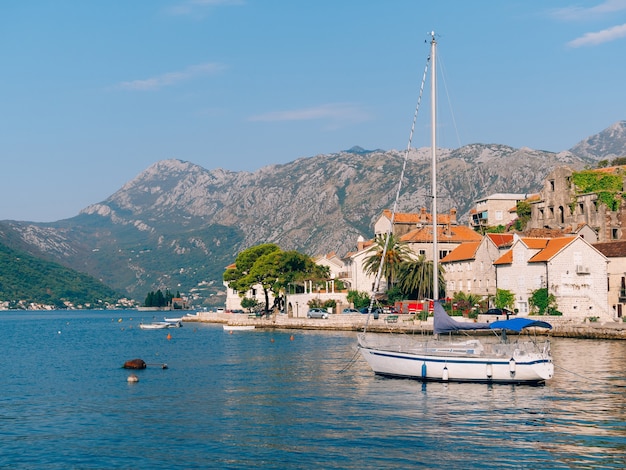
point(132, 378)
point(291, 338)
point(272, 340)
point(169, 336)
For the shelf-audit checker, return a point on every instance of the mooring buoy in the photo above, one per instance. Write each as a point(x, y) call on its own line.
point(135, 364)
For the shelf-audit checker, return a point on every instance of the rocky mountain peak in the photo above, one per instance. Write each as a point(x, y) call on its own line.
point(606, 145)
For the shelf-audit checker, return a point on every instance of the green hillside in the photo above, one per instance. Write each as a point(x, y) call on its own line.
point(25, 279)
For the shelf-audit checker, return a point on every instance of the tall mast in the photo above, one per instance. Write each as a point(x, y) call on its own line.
point(433, 114)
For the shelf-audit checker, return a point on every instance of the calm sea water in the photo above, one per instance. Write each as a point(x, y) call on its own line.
point(283, 399)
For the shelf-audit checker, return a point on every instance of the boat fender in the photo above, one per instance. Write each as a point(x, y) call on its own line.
point(512, 367)
point(423, 370)
point(445, 376)
point(489, 370)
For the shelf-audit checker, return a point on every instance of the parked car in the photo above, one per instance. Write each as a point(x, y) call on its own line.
point(499, 311)
point(350, 310)
point(375, 310)
point(317, 313)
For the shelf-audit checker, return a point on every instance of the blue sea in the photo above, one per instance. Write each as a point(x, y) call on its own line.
point(282, 400)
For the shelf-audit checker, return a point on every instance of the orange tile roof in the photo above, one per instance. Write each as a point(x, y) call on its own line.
point(554, 246)
point(416, 218)
point(535, 243)
point(456, 234)
point(501, 239)
point(465, 251)
point(506, 258)
point(403, 217)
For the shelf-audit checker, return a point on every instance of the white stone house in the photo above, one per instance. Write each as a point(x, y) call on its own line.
point(469, 268)
point(569, 267)
point(356, 276)
point(616, 254)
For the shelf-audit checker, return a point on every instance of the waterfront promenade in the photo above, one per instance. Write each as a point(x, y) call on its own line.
point(565, 328)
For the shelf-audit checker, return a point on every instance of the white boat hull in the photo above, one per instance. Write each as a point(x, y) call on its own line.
point(238, 327)
point(451, 364)
point(154, 326)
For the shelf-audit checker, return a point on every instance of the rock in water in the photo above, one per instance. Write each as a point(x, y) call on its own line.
point(135, 364)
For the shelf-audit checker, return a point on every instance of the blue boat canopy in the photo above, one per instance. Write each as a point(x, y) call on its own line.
point(444, 323)
point(518, 324)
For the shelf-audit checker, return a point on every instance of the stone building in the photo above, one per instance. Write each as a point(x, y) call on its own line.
point(569, 267)
point(494, 210)
point(560, 205)
point(469, 268)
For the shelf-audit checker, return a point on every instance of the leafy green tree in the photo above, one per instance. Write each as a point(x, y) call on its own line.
point(395, 294)
point(249, 303)
point(416, 279)
point(273, 269)
point(358, 299)
point(397, 253)
point(543, 303)
point(504, 299)
point(523, 215)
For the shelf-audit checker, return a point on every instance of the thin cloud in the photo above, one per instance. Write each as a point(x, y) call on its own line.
point(200, 7)
point(172, 78)
point(575, 13)
point(600, 37)
point(336, 113)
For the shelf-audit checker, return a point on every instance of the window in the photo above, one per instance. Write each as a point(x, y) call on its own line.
point(551, 209)
point(581, 207)
point(551, 183)
point(499, 215)
point(422, 252)
point(615, 233)
point(541, 213)
point(443, 253)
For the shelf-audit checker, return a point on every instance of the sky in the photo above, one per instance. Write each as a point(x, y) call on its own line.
point(94, 92)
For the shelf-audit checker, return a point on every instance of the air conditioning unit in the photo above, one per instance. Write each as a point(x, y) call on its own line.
point(580, 269)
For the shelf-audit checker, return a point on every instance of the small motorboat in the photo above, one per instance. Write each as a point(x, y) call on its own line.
point(155, 326)
point(238, 327)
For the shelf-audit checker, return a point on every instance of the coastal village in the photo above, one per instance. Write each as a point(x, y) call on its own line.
point(573, 245)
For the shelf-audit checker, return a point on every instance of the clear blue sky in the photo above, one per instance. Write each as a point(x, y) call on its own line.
point(94, 92)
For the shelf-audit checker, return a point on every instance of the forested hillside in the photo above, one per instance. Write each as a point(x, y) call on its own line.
point(26, 280)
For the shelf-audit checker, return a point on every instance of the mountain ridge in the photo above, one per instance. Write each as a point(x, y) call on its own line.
point(177, 225)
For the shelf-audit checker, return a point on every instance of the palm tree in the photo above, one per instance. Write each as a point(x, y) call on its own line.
point(397, 253)
point(416, 278)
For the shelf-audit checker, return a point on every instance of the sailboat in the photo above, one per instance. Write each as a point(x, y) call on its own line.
point(481, 359)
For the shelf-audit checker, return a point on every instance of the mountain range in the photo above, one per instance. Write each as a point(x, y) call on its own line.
point(177, 225)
